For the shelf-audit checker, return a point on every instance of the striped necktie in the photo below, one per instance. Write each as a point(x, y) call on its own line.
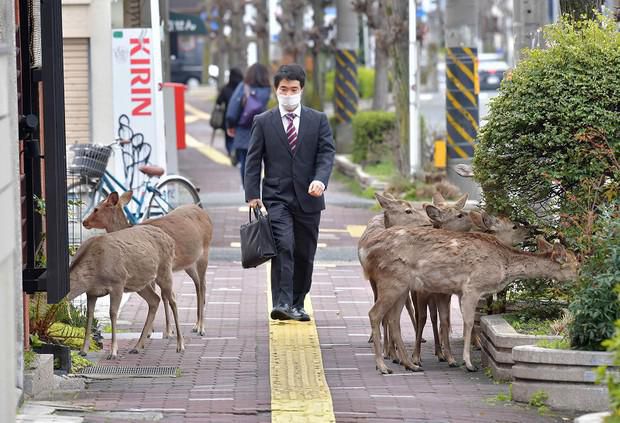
point(291, 132)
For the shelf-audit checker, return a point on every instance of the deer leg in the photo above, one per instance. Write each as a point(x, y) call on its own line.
point(468, 309)
point(421, 304)
point(152, 299)
point(433, 299)
point(373, 285)
point(193, 273)
point(376, 314)
point(166, 291)
point(393, 315)
point(154, 286)
point(91, 300)
point(115, 303)
point(201, 268)
point(396, 336)
point(443, 305)
point(412, 311)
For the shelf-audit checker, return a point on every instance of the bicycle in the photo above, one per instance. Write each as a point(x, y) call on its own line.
point(96, 183)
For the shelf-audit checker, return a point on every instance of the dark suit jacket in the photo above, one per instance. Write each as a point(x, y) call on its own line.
point(288, 175)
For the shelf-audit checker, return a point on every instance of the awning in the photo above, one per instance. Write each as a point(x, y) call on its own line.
point(186, 24)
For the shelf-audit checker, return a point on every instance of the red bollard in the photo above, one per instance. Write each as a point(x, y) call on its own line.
point(179, 111)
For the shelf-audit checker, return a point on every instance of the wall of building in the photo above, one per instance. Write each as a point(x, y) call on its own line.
point(92, 19)
point(10, 252)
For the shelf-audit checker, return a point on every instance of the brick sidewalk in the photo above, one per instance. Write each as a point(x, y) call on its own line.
point(224, 376)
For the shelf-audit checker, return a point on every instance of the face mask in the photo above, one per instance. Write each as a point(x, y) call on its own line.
point(289, 102)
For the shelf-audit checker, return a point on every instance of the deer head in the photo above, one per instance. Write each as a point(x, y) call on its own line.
point(569, 266)
point(109, 214)
point(444, 216)
point(399, 212)
point(505, 230)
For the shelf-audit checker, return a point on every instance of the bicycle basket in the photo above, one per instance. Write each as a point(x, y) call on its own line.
point(89, 160)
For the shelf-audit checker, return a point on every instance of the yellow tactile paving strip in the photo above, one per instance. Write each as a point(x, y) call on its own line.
point(212, 153)
point(299, 391)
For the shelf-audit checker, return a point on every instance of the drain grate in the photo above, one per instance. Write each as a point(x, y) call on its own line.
point(166, 371)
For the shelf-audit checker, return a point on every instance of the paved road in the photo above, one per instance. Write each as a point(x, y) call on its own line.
point(248, 369)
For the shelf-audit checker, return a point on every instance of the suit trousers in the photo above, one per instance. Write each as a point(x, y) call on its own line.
point(296, 234)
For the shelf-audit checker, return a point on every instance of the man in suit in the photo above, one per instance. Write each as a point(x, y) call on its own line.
point(295, 144)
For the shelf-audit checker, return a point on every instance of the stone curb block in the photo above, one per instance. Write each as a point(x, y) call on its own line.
point(566, 376)
point(355, 171)
point(497, 339)
point(41, 377)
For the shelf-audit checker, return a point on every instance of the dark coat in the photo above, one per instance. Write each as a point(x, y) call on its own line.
point(288, 175)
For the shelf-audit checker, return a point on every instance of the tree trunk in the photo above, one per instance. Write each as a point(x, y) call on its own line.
point(262, 31)
point(397, 13)
point(318, 74)
point(577, 9)
point(238, 40)
point(379, 100)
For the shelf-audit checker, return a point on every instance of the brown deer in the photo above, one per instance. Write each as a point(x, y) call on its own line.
point(401, 259)
point(398, 212)
point(130, 260)
point(189, 226)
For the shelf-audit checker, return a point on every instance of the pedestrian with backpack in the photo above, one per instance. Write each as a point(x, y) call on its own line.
point(249, 99)
point(235, 76)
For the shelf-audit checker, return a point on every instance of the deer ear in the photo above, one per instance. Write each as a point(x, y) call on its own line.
point(383, 201)
point(461, 201)
point(433, 212)
point(558, 253)
point(438, 199)
point(112, 198)
point(125, 198)
point(543, 245)
point(389, 195)
point(488, 221)
point(476, 218)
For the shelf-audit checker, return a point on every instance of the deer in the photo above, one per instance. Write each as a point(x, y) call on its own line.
point(129, 260)
point(399, 212)
point(469, 264)
point(189, 226)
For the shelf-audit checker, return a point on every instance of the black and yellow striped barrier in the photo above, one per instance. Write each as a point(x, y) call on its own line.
point(346, 92)
point(461, 101)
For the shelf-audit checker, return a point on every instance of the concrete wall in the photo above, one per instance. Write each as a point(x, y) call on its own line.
point(92, 19)
point(10, 252)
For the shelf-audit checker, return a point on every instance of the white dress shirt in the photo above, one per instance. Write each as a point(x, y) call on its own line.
point(297, 111)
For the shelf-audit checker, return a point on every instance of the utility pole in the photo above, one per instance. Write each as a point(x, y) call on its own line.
point(529, 18)
point(346, 90)
point(462, 87)
point(415, 150)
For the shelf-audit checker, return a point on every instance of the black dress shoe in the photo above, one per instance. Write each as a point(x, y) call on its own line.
point(303, 316)
point(282, 312)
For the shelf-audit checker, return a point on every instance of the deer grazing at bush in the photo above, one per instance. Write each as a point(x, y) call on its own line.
point(130, 260)
point(189, 226)
point(401, 259)
point(398, 212)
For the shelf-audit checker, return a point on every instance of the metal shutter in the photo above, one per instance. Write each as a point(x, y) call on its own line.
point(77, 90)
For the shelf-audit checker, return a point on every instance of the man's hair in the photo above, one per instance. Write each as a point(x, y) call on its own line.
point(292, 72)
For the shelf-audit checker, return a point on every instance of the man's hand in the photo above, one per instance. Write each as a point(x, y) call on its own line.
point(255, 203)
point(231, 132)
point(316, 188)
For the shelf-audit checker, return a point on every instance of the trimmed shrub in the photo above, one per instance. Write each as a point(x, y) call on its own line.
point(369, 131)
point(595, 307)
point(549, 154)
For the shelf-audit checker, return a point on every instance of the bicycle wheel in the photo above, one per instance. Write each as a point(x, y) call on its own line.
point(171, 194)
point(82, 197)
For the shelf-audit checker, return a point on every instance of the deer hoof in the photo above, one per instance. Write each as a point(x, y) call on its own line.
point(111, 357)
point(194, 329)
point(441, 358)
point(370, 340)
point(133, 351)
point(413, 368)
point(471, 367)
point(82, 353)
point(180, 348)
point(423, 340)
point(396, 361)
point(384, 370)
point(453, 364)
point(202, 332)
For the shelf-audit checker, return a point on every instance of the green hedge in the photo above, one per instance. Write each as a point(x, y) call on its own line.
point(365, 80)
point(549, 155)
point(369, 131)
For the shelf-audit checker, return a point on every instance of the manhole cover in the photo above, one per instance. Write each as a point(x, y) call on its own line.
point(131, 371)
